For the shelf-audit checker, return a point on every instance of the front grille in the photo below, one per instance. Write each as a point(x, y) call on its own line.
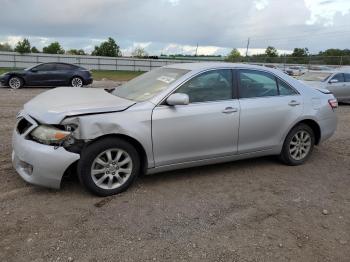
point(23, 125)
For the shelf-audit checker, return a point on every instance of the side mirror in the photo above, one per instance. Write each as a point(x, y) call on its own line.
point(34, 70)
point(178, 99)
point(332, 81)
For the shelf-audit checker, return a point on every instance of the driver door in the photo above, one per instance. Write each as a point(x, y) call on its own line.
point(42, 75)
point(205, 128)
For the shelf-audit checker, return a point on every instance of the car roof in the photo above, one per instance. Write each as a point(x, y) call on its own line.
point(60, 63)
point(211, 65)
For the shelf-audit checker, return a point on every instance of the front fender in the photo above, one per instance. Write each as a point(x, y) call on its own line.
point(134, 124)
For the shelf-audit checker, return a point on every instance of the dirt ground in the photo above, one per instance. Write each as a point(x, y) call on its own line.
point(252, 210)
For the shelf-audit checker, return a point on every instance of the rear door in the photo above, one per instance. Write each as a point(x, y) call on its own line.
point(64, 73)
point(205, 128)
point(268, 107)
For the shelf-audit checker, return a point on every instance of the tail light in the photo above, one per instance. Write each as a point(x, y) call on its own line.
point(333, 103)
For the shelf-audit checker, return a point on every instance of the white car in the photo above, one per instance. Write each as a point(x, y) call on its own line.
point(295, 70)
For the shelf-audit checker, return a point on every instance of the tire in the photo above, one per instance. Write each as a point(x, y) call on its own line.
point(298, 145)
point(77, 82)
point(105, 177)
point(15, 82)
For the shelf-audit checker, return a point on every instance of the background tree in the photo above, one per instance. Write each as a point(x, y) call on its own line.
point(34, 50)
point(107, 48)
point(300, 52)
point(5, 47)
point(76, 52)
point(335, 52)
point(53, 48)
point(139, 52)
point(234, 55)
point(271, 52)
point(23, 46)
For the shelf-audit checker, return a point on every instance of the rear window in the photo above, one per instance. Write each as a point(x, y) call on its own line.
point(65, 67)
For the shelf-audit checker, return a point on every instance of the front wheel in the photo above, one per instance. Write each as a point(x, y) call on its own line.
point(298, 145)
point(77, 82)
point(15, 82)
point(108, 166)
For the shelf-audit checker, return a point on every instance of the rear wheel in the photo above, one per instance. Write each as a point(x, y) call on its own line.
point(298, 145)
point(77, 82)
point(108, 166)
point(15, 82)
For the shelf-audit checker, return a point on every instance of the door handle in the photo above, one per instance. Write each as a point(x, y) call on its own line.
point(294, 103)
point(229, 110)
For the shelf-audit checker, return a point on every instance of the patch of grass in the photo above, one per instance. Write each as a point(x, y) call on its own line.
point(5, 69)
point(115, 75)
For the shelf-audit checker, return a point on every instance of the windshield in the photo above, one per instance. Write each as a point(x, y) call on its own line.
point(315, 76)
point(29, 68)
point(149, 84)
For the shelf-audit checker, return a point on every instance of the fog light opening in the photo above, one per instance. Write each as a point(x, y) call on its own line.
point(27, 168)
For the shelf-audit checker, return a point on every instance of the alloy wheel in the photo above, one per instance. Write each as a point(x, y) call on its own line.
point(77, 82)
point(15, 83)
point(300, 145)
point(111, 169)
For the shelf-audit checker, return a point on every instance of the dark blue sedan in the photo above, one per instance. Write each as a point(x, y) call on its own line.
point(48, 74)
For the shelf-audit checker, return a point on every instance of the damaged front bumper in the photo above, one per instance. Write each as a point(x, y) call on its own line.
point(39, 164)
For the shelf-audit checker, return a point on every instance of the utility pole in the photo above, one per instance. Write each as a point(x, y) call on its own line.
point(246, 52)
point(196, 50)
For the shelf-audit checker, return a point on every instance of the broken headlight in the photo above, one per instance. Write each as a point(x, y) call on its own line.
point(50, 135)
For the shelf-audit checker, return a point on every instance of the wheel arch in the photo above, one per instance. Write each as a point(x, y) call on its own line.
point(138, 146)
point(314, 126)
point(16, 75)
point(76, 75)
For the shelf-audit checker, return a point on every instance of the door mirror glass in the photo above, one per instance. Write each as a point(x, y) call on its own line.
point(178, 99)
point(333, 81)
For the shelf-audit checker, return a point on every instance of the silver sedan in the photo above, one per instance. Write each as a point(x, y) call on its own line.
point(178, 116)
point(337, 82)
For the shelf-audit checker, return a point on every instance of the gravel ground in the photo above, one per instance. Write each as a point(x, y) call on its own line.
point(252, 210)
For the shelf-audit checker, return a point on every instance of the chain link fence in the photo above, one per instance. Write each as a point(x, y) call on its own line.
point(16, 60)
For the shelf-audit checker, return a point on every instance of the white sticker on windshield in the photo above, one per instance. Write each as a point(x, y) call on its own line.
point(166, 79)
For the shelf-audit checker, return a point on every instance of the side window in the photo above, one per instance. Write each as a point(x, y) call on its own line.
point(284, 89)
point(347, 77)
point(339, 77)
point(256, 84)
point(64, 67)
point(46, 67)
point(210, 86)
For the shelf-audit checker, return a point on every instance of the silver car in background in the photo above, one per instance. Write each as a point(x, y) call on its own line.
point(337, 82)
point(178, 116)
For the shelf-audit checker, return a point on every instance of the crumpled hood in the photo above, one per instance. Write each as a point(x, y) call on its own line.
point(53, 106)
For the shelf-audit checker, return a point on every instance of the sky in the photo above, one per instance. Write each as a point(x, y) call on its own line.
point(177, 26)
